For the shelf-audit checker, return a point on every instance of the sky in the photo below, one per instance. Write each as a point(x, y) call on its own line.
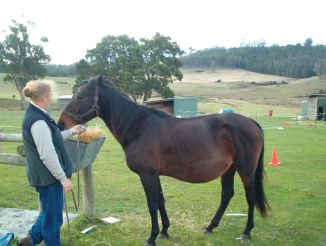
point(75, 26)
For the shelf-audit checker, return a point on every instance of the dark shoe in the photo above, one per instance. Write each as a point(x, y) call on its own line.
point(25, 241)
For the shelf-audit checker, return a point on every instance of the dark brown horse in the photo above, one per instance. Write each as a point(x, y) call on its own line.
point(195, 150)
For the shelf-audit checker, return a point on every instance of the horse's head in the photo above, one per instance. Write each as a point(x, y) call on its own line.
point(84, 105)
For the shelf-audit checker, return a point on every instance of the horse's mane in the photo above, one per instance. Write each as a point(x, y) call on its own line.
point(158, 112)
point(125, 112)
point(117, 91)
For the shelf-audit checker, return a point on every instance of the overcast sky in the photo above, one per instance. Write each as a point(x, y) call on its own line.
point(73, 26)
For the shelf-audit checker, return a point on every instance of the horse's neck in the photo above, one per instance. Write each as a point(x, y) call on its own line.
point(121, 115)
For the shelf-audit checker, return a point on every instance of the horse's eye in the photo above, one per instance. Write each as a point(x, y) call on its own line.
point(79, 97)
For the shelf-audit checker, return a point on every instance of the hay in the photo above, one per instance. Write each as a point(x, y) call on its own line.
point(90, 134)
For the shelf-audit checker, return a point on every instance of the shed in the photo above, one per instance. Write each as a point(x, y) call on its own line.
point(314, 107)
point(183, 107)
point(63, 101)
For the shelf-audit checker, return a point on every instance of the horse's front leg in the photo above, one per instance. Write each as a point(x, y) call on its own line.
point(165, 219)
point(151, 184)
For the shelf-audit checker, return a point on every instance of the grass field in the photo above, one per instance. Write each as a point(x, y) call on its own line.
point(296, 189)
point(296, 192)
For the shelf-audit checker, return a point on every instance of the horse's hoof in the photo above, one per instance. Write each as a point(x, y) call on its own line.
point(148, 244)
point(206, 231)
point(243, 238)
point(163, 236)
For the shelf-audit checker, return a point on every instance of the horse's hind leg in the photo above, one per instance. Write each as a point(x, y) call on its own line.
point(164, 215)
point(227, 181)
point(249, 185)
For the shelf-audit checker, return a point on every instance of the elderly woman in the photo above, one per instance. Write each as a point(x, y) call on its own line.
point(48, 165)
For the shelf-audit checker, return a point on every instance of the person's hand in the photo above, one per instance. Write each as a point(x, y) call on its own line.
point(67, 185)
point(77, 129)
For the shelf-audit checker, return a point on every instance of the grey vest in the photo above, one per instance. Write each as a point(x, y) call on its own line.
point(37, 173)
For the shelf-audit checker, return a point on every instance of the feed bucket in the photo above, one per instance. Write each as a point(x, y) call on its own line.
point(83, 154)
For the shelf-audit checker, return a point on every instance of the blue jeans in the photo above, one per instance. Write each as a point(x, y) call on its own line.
point(47, 226)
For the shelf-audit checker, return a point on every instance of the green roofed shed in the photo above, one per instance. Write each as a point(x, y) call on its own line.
point(182, 107)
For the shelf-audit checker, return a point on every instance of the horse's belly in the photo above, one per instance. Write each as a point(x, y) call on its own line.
point(200, 173)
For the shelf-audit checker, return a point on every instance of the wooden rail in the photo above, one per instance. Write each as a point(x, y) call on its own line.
point(87, 177)
point(12, 159)
point(4, 137)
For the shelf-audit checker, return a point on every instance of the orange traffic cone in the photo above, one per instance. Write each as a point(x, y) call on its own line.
point(274, 161)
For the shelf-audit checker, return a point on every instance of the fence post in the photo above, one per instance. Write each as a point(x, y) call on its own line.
point(315, 119)
point(87, 177)
point(88, 192)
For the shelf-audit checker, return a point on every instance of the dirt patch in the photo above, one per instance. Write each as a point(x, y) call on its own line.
point(19, 221)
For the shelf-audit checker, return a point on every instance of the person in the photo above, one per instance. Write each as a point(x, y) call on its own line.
point(48, 166)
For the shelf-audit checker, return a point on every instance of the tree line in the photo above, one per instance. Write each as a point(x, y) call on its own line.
point(295, 61)
point(58, 70)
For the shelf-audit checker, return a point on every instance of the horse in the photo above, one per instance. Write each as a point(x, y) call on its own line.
point(195, 150)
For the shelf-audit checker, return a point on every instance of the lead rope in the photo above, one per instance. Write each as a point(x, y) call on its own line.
point(78, 179)
point(73, 195)
point(78, 171)
point(68, 222)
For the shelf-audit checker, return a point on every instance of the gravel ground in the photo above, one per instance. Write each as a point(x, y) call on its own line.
point(19, 221)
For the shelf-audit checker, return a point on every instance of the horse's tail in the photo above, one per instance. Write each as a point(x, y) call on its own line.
point(260, 198)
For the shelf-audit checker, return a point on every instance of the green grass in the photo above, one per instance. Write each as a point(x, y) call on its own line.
point(296, 189)
point(296, 192)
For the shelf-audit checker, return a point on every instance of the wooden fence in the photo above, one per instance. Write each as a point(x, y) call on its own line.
point(86, 173)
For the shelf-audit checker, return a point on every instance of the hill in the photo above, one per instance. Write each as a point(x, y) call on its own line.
point(239, 84)
point(215, 85)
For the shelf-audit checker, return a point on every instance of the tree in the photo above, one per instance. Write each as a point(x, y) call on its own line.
point(138, 68)
point(308, 42)
point(320, 68)
point(161, 65)
point(21, 60)
point(119, 58)
point(84, 71)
